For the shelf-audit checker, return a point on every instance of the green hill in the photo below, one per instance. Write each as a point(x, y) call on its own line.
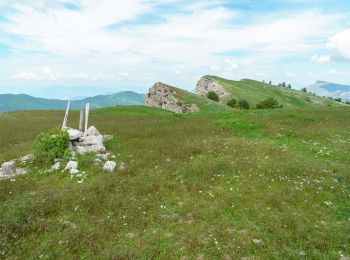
point(256, 91)
point(10, 102)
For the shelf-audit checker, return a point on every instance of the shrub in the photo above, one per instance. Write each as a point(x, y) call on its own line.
point(268, 103)
point(213, 96)
point(243, 104)
point(232, 102)
point(51, 145)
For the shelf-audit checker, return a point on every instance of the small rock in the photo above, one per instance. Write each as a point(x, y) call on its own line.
point(74, 134)
point(92, 131)
point(103, 156)
point(56, 167)
point(90, 140)
point(71, 165)
point(8, 168)
point(107, 137)
point(122, 166)
point(27, 159)
point(109, 166)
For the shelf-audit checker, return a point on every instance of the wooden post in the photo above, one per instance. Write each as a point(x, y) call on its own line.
point(82, 110)
point(87, 109)
point(64, 125)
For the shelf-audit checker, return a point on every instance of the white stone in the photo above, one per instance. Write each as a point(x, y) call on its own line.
point(103, 156)
point(206, 84)
point(8, 168)
point(56, 167)
point(71, 165)
point(92, 131)
point(109, 166)
point(90, 149)
point(91, 140)
point(74, 134)
point(107, 137)
point(27, 158)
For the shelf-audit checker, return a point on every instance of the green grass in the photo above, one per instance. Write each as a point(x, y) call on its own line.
point(270, 184)
point(256, 91)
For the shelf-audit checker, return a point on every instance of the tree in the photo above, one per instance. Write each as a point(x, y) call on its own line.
point(289, 86)
point(243, 104)
point(232, 102)
point(338, 99)
point(213, 96)
point(270, 82)
point(284, 84)
point(347, 102)
point(304, 90)
point(269, 103)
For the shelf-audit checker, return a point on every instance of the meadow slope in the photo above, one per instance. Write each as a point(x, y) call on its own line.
point(225, 185)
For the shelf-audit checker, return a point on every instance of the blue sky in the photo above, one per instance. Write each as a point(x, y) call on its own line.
point(104, 46)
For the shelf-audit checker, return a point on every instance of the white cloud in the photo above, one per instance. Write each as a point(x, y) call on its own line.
point(262, 74)
point(231, 64)
point(320, 58)
point(26, 76)
point(339, 73)
point(340, 43)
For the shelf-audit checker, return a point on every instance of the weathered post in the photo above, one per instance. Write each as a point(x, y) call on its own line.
point(82, 110)
point(87, 109)
point(64, 125)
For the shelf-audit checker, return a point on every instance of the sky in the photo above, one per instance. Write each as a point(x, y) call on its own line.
point(58, 48)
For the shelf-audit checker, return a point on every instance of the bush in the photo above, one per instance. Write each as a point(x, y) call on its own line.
point(268, 103)
point(243, 104)
point(213, 96)
point(51, 145)
point(232, 102)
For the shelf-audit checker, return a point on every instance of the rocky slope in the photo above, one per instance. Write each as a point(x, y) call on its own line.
point(165, 97)
point(207, 84)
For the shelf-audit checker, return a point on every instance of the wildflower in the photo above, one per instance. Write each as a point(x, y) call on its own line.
point(257, 241)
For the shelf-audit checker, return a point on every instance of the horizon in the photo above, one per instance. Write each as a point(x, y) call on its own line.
point(55, 49)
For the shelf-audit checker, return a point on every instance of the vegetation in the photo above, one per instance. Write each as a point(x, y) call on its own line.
point(269, 103)
point(51, 145)
point(254, 91)
point(213, 96)
point(243, 104)
point(232, 102)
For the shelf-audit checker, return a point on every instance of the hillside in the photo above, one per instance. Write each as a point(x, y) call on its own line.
point(180, 101)
point(258, 184)
point(256, 91)
point(10, 102)
point(329, 89)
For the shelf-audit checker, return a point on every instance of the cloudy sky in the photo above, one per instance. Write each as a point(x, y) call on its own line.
point(83, 47)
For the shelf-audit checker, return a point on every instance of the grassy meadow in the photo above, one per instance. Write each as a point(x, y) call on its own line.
point(259, 184)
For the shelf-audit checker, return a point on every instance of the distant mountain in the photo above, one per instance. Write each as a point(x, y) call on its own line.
point(11, 102)
point(329, 89)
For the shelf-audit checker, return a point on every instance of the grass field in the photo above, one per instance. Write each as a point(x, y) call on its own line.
point(271, 184)
point(256, 91)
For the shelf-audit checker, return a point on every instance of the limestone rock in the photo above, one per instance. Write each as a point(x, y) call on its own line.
point(27, 158)
point(91, 140)
point(206, 84)
point(109, 166)
point(74, 134)
point(92, 131)
point(71, 166)
point(107, 138)
point(8, 168)
point(90, 149)
point(162, 96)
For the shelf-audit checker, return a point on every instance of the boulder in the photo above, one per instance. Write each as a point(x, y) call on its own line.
point(92, 131)
point(107, 138)
point(109, 166)
point(27, 158)
point(74, 134)
point(8, 168)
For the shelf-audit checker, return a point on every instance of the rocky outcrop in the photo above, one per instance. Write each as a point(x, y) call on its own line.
point(162, 96)
point(206, 84)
